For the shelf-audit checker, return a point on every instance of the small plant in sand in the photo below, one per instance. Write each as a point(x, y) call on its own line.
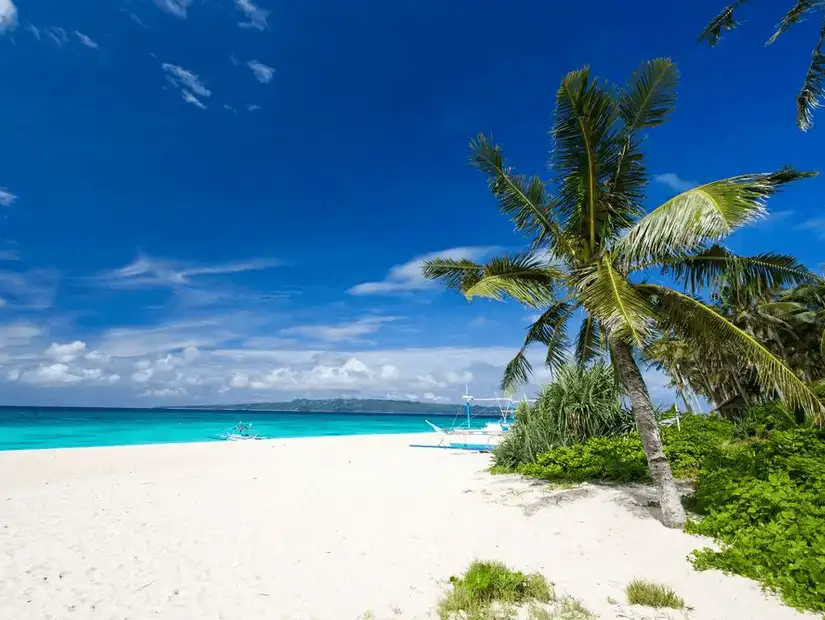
point(641, 592)
point(490, 591)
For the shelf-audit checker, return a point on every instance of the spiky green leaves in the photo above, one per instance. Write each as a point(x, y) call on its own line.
point(650, 95)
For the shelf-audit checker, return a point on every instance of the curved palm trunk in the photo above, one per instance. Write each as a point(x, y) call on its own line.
point(673, 514)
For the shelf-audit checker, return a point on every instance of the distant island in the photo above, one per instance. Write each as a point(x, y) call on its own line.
point(350, 405)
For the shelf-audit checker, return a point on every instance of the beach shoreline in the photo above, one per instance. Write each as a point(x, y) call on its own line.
point(331, 527)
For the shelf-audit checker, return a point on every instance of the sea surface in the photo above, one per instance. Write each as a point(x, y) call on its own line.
point(30, 428)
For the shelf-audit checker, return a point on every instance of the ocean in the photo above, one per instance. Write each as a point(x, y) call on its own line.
point(30, 428)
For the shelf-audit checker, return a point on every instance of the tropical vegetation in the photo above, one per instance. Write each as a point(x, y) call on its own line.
point(813, 87)
point(590, 244)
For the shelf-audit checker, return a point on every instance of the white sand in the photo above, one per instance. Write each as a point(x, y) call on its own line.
point(326, 528)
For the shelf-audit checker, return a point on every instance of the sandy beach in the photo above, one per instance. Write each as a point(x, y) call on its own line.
point(319, 529)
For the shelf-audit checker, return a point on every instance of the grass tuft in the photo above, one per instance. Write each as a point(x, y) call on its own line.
point(489, 590)
point(641, 592)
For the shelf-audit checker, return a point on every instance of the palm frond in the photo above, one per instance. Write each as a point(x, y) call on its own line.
point(457, 274)
point(523, 199)
point(705, 214)
point(650, 95)
point(610, 297)
point(715, 265)
point(690, 318)
point(583, 156)
point(549, 329)
point(724, 21)
point(813, 89)
point(794, 16)
point(588, 343)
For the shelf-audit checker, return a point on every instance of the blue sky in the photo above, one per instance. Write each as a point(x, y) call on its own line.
point(227, 200)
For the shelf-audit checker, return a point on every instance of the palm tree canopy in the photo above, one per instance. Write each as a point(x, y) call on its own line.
point(589, 238)
point(813, 87)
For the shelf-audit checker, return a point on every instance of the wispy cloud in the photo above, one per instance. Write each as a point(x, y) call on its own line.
point(674, 182)
point(815, 225)
point(261, 72)
point(86, 40)
point(8, 16)
point(189, 84)
point(6, 197)
point(255, 15)
point(177, 8)
point(58, 35)
point(148, 272)
point(352, 330)
point(408, 276)
point(33, 289)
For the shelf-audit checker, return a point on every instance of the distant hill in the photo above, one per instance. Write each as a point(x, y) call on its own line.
point(350, 405)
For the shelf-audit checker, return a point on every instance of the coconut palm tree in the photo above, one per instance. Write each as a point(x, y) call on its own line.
point(813, 87)
point(591, 244)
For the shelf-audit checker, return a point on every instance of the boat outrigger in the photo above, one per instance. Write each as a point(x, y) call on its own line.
point(478, 439)
point(242, 431)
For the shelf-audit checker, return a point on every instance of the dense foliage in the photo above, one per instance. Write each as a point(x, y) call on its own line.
point(580, 403)
point(621, 459)
point(765, 500)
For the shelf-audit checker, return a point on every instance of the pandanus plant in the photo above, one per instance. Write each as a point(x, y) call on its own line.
point(591, 244)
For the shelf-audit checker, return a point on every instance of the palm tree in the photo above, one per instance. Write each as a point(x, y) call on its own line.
point(591, 242)
point(813, 88)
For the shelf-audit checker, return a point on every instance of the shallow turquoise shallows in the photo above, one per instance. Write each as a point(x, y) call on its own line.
point(34, 428)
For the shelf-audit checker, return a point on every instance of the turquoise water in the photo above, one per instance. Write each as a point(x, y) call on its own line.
point(35, 428)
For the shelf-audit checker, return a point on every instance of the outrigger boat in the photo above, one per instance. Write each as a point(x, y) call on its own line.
point(478, 439)
point(242, 431)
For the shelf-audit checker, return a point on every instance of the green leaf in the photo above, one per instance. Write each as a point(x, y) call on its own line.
point(650, 95)
point(724, 21)
point(588, 344)
point(813, 89)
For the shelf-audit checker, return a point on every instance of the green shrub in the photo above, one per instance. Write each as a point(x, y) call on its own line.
point(486, 583)
point(622, 459)
point(579, 404)
point(764, 499)
point(759, 420)
point(641, 592)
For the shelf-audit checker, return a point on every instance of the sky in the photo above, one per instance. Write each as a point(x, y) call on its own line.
point(216, 201)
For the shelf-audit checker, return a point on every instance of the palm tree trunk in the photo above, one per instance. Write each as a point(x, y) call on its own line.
point(673, 514)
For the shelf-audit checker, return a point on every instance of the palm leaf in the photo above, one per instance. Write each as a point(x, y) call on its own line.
point(724, 21)
point(588, 344)
point(523, 199)
point(550, 330)
point(794, 16)
point(608, 295)
point(813, 89)
point(650, 95)
point(709, 330)
point(584, 152)
point(457, 274)
point(713, 266)
point(704, 214)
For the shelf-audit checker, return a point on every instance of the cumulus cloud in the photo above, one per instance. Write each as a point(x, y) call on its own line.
point(675, 182)
point(6, 197)
point(86, 40)
point(191, 88)
point(177, 8)
point(408, 277)
point(261, 72)
point(148, 272)
point(60, 374)
point(342, 331)
point(65, 353)
point(255, 15)
point(8, 16)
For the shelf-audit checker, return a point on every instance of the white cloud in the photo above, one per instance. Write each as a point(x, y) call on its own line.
point(177, 8)
point(6, 197)
point(148, 272)
point(408, 277)
point(96, 357)
point(58, 35)
point(253, 107)
point(189, 84)
point(85, 40)
point(8, 16)
point(56, 374)
point(261, 72)
point(255, 15)
point(65, 353)
point(815, 225)
point(342, 331)
point(674, 182)
point(29, 289)
point(16, 334)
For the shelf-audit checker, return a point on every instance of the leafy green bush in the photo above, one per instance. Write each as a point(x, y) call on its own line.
point(579, 404)
point(764, 499)
point(759, 420)
point(622, 459)
point(486, 583)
